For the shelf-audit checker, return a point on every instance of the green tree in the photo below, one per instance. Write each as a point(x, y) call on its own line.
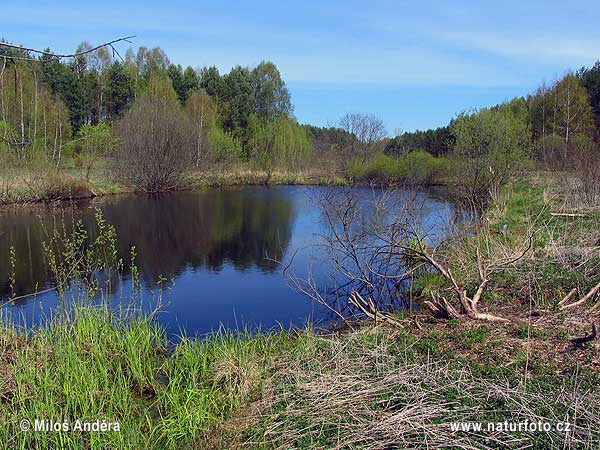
point(176, 75)
point(158, 84)
point(202, 112)
point(34, 120)
point(573, 112)
point(119, 90)
point(66, 84)
point(278, 143)
point(270, 95)
point(590, 79)
point(212, 82)
point(237, 102)
point(96, 141)
point(489, 145)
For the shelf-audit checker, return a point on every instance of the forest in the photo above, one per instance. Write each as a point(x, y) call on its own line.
point(98, 122)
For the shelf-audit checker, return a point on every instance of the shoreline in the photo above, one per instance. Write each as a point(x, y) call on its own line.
point(191, 184)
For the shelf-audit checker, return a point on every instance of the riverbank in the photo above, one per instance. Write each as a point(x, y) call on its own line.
point(407, 387)
point(377, 386)
point(67, 187)
point(25, 186)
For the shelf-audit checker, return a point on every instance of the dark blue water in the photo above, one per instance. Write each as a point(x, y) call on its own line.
point(220, 252)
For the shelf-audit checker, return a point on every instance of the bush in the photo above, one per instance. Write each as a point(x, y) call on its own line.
point(225, 147)
point(424, 168)
point(155, 144)
point(552, 150)
point(490, 146)
point(585, 165)
point(417, 167)
point(379, 167)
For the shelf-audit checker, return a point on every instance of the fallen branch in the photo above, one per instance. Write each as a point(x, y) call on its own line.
point(369, 309)
point(587, 296)
point(567, 215)
point(577, 342)
point(568, 297)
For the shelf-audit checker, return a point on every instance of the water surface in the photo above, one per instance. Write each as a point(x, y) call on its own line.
point(221, 252)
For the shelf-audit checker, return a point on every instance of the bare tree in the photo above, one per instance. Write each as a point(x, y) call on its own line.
point(366, 132)
point(155, 144)
point(378, 247)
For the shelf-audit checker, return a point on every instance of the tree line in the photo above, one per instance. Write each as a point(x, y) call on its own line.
point(154, 120)
point(54, 106)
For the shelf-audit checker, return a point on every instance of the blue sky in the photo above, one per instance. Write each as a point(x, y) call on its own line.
point(414, 63)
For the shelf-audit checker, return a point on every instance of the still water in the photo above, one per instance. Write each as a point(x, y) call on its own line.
point(222, 252)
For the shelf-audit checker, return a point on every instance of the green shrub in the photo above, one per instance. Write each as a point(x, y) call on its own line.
point(224, 146)
point(423, 167)
point(418, 167)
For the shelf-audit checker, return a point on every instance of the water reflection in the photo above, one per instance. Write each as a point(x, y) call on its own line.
point(171, 233)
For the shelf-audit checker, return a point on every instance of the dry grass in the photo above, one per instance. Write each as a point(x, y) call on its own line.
point(363, 391)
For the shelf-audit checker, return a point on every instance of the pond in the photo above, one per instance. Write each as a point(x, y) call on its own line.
point(221, 253)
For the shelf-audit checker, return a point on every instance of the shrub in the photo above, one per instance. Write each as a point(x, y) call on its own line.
point(417, 167)
point(155, 141)
point(423, 168)
point(490, 145)
point(224, 145)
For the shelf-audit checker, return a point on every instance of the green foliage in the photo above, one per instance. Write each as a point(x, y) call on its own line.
point(270, 95)
point(202, 111)
point(278, 143)
point(96, 141)
point(159, 85)
point(438, 142)
point(489, 146)
point(119, 90)
point(184, 82)
point(379, 167)
point(590, 79)
point(563, 109)
point(423, 168)
point(416, 167)
point(34, 120)
point(224, 145)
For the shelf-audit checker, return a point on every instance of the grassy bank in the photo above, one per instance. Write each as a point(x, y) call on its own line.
point(285, 391)
point(375, 386)
point(35, 184)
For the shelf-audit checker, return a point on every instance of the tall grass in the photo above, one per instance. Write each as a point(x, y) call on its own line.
point(95, 365)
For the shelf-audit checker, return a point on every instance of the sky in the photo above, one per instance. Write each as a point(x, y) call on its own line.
point(416, 64)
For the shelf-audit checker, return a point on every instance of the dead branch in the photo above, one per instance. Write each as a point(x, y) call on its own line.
point(584, 299)
point(369, 309)
point(567, 215)
point(568, 297)
point(60, 56)
point(577, 342)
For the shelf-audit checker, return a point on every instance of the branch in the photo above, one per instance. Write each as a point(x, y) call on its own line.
point(59, 56)
point(588, 296)
point(585, 339)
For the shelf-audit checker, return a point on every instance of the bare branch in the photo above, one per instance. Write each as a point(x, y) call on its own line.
point(60, 56)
